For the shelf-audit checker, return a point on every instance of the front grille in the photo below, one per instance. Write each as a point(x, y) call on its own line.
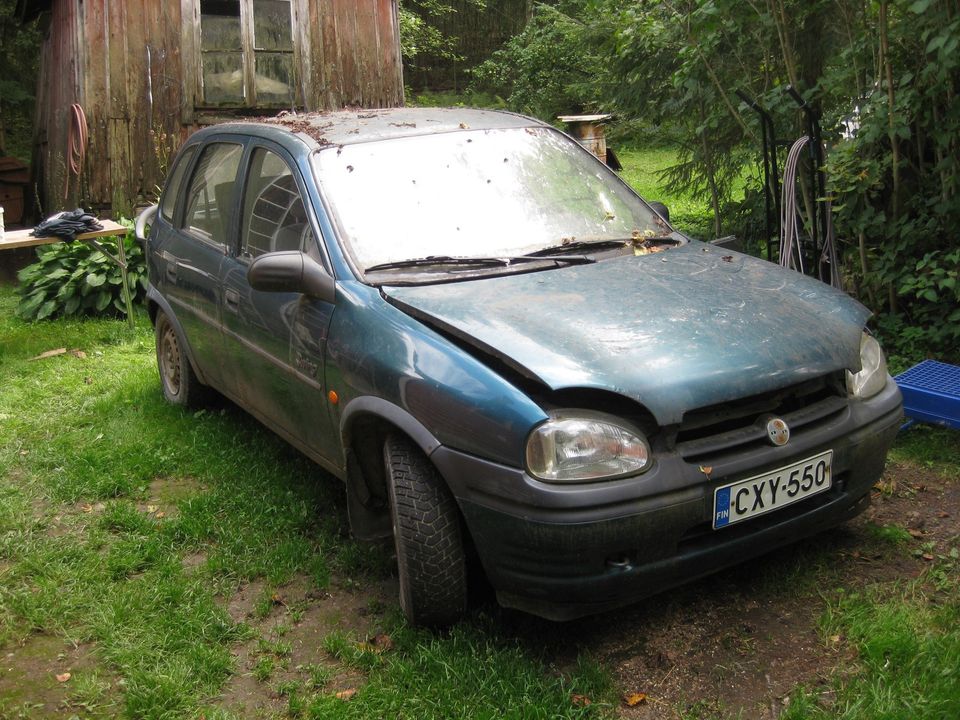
point(713, 433)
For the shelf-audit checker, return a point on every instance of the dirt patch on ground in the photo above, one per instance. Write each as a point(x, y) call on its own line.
point(166, 493)
point(288, 644)
point(36, 677)
point(736, 644)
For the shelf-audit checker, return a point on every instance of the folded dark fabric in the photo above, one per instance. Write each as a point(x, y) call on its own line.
point(67, 224)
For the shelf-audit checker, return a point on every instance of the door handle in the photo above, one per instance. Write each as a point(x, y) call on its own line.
point(231, 299)
point(171, 272)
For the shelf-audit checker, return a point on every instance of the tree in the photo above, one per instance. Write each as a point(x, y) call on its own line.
point(19, 53)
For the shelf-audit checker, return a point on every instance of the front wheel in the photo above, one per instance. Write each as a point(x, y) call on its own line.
point(426, 528)
point(177, 379)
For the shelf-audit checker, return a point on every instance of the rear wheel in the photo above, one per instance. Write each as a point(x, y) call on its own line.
point(177, 378)
point(426, 529)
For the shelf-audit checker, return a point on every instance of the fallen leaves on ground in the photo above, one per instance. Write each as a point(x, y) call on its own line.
point(346, 694)
point(634, 699)
point(580, 700)
point(63, 677)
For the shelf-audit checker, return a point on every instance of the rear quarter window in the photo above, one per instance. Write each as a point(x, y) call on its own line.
point(172, 189)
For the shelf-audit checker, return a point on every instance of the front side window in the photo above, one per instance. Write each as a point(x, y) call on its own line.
point(246, 53)
point(211, 192)
point(274, 216)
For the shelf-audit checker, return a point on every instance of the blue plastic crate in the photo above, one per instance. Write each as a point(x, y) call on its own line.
point(931, 393)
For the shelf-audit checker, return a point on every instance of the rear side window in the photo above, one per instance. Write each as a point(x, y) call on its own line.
point(274, 216)
point(211, 192)
point(172, 189)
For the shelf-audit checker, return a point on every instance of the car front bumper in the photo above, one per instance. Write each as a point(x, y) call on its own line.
point(564, 551)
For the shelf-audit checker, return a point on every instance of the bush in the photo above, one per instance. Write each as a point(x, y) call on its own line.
point(77, 279)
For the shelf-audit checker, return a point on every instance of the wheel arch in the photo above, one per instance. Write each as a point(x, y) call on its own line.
point(157, 303)
point(364, 426)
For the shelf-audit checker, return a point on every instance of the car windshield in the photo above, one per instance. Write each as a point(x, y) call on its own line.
point(475, 194)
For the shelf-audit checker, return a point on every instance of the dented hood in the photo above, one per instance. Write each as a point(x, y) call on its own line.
point(682, 329)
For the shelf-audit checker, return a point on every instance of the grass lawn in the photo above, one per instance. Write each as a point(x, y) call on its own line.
point(156, 563)
point(641, 168)
point(129, 529)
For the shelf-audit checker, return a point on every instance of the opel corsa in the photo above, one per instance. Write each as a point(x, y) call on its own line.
point(509, 357)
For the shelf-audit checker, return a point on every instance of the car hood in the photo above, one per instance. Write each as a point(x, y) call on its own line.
point(682, 329)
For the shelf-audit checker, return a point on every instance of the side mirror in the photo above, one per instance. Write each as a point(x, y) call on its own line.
point(291, 271)
point(660, 209)
point(144, 221)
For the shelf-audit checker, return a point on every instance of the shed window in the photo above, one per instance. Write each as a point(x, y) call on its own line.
point(246, 53)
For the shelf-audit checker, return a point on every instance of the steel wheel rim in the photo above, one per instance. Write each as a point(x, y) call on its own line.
point(170, 360)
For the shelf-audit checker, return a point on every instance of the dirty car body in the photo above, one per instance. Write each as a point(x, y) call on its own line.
point(508, 355)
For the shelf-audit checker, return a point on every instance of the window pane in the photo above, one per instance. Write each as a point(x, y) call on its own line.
point(223, 77)
point(173, 187)
point(274, 78)
point(274, 217)
point(220, 25)
point(271, 25)
point(211, 191)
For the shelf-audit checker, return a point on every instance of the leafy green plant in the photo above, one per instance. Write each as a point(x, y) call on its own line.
point(77, 279)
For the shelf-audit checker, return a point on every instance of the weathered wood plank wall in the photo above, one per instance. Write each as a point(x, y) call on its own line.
point(133, 65)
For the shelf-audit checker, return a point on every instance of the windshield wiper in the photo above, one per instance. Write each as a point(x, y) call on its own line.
point(441, 260)
point(579, 245)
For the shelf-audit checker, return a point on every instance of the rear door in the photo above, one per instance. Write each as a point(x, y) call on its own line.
point(277, 340)
point(191, 256)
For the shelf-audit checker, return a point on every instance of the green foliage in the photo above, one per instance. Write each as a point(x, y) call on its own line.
point(553, 67)
point(77, 279)
point(19, 62)
point(419, 34)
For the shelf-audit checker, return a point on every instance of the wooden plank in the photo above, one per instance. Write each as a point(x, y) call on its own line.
point(22, 238)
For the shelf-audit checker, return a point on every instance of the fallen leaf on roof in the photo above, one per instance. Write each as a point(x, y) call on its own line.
point(50, 354)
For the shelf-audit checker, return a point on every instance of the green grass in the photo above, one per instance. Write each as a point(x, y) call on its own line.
point(105, 490)
point(641, 170)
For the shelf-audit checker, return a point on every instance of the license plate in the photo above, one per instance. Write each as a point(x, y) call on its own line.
point(761, 494)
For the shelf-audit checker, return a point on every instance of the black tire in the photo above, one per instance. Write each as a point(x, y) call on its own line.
point(177, 379)
point(431, 561)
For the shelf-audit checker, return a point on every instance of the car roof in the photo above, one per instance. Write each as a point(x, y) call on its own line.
point(345, 127)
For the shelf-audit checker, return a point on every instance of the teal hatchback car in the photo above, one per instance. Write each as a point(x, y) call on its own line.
point(509, 357)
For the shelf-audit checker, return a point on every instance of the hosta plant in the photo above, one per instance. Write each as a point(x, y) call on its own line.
point(75, 278)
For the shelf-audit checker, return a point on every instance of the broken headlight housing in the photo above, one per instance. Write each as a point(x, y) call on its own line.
point(872, 377)
point(582, 446)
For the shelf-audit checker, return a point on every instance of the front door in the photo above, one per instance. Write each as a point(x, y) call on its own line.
point(276, 340)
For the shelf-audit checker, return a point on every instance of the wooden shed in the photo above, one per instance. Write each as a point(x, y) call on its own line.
point(146, 73)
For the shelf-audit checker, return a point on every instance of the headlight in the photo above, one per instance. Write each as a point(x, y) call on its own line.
point(872, 377)
point(579, 446)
